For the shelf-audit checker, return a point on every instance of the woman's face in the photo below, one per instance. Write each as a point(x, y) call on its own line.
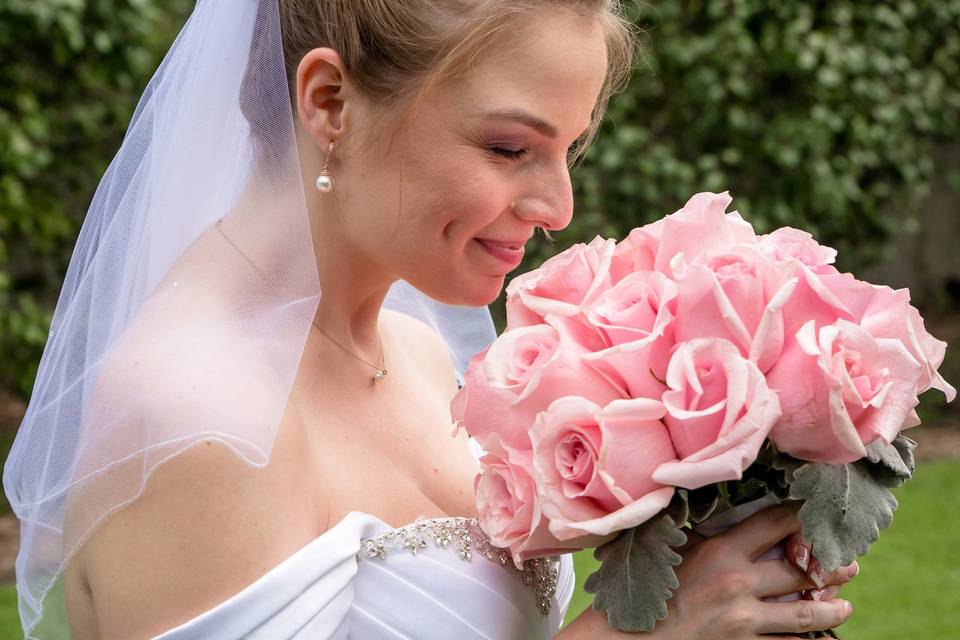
point(486, 158)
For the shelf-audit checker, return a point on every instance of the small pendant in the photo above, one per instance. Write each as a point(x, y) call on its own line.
point(379, 374)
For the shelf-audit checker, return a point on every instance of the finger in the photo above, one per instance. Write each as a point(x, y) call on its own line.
point(802, 615)
point(827, 593)
point(778, 578)
point(798, 551)
point(763, 529)
point(843, 575)
point(817, 573)
point(823, 579)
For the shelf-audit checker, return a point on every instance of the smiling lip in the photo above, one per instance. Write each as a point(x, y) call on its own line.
point(510, 253)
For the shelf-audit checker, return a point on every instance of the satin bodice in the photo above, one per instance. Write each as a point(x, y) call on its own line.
point(363, 579)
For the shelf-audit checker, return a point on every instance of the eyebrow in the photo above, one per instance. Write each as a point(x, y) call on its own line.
point(525, 117)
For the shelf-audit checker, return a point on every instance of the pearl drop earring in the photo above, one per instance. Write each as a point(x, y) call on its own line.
point(324, 182)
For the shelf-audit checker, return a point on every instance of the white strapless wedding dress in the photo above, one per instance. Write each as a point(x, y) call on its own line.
point(362, 579)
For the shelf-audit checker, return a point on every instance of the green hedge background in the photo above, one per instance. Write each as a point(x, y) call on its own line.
point(71, 72)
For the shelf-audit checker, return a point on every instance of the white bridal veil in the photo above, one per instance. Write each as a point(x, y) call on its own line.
point(164, 335)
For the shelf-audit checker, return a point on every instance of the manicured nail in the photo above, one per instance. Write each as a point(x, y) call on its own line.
point(803, 557)
point(817, 574)
point(818, 594)
point(854, 570)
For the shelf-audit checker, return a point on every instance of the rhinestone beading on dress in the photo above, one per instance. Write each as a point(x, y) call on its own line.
point(466, 537)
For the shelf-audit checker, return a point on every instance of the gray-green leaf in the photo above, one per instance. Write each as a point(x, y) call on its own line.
point(636, 577)
point(893, 463)
point(678, 509)
point(844, 510)
point(702, 503)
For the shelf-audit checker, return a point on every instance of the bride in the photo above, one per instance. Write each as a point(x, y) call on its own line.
point(241, 426)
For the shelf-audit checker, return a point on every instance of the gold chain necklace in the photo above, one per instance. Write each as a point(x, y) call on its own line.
point(381, 372)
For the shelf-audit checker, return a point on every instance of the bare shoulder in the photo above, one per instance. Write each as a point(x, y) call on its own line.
point(207, 523)
point(190, 541)
point(418, 339)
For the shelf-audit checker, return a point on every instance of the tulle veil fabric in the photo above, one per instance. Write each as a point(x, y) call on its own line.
point(163, 335)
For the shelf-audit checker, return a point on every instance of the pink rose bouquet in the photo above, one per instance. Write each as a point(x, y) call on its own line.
point(642, 386)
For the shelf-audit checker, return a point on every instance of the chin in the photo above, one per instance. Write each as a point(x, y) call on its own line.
point(479, 292)
point(490, 295)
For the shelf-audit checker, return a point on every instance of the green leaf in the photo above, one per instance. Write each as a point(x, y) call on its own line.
point(636, 577)
point(893, 463)
point(749, 489)
point(787, 464)
point(679, 508)
point(702, 502)
point(845, 507)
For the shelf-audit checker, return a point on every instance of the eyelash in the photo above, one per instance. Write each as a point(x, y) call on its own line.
point(517, 154)
point(513, 154)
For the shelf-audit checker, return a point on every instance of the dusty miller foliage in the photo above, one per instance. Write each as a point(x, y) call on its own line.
point(844, 509)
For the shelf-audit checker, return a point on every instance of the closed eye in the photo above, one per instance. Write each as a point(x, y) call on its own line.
point(513, 154)
point(517, 154)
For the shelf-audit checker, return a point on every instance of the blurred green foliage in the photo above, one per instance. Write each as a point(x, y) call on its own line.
point(817, 114)
point(71, 74)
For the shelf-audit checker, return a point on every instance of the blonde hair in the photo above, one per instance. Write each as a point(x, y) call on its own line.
point(396, 50)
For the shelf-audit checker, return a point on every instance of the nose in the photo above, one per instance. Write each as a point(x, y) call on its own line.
point(549, 203)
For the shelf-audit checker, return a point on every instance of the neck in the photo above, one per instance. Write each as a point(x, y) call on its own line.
point(353, 282)
point(351, 319)
point(353, 285)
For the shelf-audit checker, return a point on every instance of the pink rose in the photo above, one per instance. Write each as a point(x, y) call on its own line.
point(889, 314)
point(822, 297)
point(737, 294)
point(594, 464)
point(519, 374)
point(883, 312)
point(719, 412)
point(507, 502)
point(700, 226)
point(562, 284)
point(927, 349)
point(840, 389)
point(509, 507)
point(636, 252)
point(787, 244)
point(634, 308)
point(634, 316)
point(635, 368)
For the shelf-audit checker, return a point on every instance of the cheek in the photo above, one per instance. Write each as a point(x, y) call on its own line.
point(447, 201)
point(459, 195)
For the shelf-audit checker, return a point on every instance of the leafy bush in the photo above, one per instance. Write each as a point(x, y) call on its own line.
point(71, 75)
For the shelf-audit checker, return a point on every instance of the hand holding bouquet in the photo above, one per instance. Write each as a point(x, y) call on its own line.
point(644, 385)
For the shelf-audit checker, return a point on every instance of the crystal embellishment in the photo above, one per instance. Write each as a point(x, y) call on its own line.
point(467, 538)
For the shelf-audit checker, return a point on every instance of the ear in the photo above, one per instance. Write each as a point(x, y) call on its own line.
point(323, 87)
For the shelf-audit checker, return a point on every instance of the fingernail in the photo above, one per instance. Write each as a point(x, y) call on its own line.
point(817, 594)
point(848, 608)
point(854, 569)
point(803, 557)
point(817, 574)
